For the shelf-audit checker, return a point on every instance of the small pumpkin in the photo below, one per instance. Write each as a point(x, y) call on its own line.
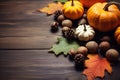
point(117, 34)
point(89, 3)
point(73, 9)
point(85, 32)
point(104, 17)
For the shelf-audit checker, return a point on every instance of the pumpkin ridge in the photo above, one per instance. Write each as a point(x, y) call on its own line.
point(102, 20)
point(73, 12)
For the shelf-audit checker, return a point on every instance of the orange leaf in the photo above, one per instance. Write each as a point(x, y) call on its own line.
point(51, 8)
point(96, 67)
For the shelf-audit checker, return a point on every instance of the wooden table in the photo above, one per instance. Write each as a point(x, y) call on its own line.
point(25, 39)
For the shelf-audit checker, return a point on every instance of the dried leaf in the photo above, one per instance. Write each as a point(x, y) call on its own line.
point(96, 67)
point(63, 1)
point(63, 46)
point(51, 8)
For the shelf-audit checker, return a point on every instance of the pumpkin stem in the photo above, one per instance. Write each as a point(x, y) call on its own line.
point(110, 3)
point(85, 27)
point(72, 4)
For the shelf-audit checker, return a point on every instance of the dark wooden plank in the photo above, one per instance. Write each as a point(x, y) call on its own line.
point(22, 27)
point(41, 65)
point(36, 65)
point(35, 42)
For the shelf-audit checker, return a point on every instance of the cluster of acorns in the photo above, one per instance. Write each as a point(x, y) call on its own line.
point(92, 47)
point(68, 30)
point(66, 24)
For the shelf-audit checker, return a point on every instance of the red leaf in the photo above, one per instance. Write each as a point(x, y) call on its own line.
point(96, 67)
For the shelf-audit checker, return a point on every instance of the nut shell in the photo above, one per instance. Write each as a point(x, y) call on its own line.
point(112, 55)
point(60, 18)
point(83, 50)
point(104, 45)
point(65, 28)
point(92, 46)
point(105, 38)
point(82, 21)
point(67, 23)
point(72, 52)
point(54, 26)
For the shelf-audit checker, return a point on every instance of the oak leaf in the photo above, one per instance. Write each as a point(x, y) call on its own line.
point(96, 67)
point(63, 46)
point(51, 8)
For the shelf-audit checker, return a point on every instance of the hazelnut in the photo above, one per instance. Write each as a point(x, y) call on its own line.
point(65, 28)
point(82, 21)
point(67, 23)
point(84, 15)
point(83, 50)
point(105, 38)
point(92, 46)
point(72, 52)
point(112, 55)
point(60, 18)
point(104, 45)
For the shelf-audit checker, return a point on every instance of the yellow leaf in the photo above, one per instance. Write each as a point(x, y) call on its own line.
point(51, 8)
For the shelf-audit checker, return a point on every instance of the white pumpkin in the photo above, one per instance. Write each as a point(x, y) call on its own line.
point(84, 32)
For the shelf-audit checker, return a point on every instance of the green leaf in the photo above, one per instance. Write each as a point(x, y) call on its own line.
point(63, 1)
point(63, 46)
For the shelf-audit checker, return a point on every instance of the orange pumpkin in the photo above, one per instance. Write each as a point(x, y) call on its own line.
point(104, 17)
point(88, 3)
point(73, 9)
point(117, 35)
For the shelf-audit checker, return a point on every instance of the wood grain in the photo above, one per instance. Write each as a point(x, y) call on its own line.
point(25, 39)
point(35, 64)
point(22, 27)
point(41, 65)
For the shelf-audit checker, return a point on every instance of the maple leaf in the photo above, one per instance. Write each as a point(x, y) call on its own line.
point(62, 1)
point(64, 46)
point(96, 66)
point(51, 8)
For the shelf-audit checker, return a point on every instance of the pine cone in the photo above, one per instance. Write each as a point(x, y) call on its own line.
point(57, 13)
point(79, 58)
point(69, 34)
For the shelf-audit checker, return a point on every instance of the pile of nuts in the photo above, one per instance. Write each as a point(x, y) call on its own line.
point(91, 47)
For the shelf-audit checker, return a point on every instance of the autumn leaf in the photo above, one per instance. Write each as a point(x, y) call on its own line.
point(96, 67)
point(63, 1)
point(51, 8)
point(63, 46)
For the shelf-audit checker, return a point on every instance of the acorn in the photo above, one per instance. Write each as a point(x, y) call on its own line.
point(92, 46)
point(112, 55)
point(84, 15)
point(60, 18)
point(54, 26)
point(106, 38)
point(83, 50)
point(67, 23)
point(57, 13)
point(72, 52)
point(104, 45)
point(82, 21)
point(65, 28)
